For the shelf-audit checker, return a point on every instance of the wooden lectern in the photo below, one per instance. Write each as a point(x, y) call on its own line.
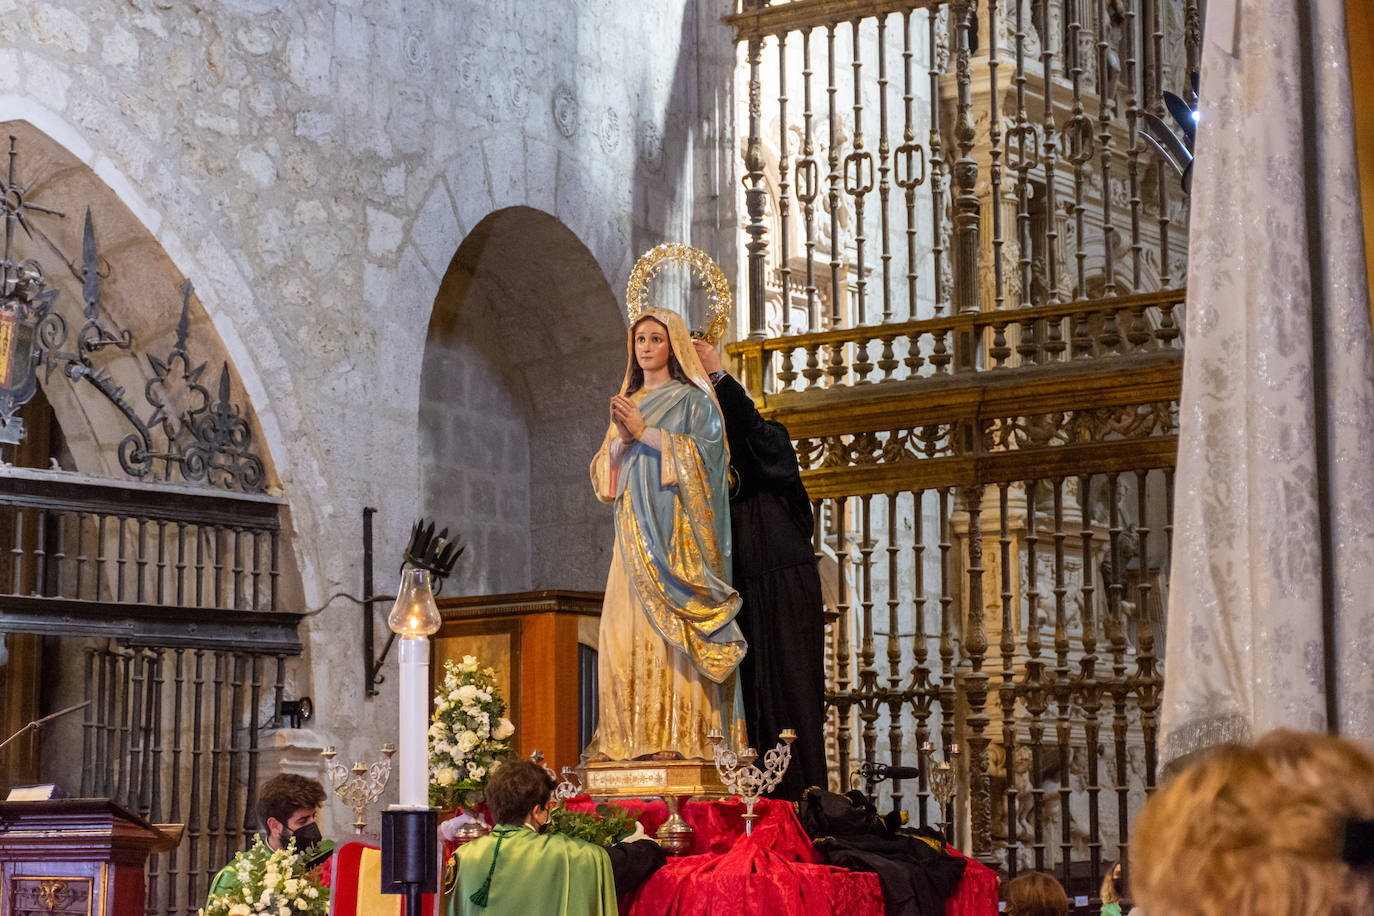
point(75, 856)
point(531, 639)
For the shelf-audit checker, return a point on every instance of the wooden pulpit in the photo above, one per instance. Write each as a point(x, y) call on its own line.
point(79, 855)
point(542, 646)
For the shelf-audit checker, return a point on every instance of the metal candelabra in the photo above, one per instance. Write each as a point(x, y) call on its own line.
point(362, 785)
point(744, 778)
point(569, 786)
point(943, 781)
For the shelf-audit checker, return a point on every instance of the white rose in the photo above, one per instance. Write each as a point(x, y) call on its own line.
point(467, 741)
point(447, 776)
point(503, 730)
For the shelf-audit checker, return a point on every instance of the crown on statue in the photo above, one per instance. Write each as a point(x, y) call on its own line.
point(703, 268)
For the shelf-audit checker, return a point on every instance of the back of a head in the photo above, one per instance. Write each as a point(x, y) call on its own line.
point(516, 788)
point(1258, 831)
point(1036, 894)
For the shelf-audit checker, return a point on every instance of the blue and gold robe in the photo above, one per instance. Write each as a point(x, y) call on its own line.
point(669, 644)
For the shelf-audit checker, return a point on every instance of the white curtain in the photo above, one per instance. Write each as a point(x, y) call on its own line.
point(1271, 602)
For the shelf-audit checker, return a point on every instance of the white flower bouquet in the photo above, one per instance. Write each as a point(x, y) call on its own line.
point(270, 883)
point(468, 734)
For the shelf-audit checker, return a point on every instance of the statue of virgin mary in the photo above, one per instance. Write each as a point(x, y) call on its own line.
point(669, 644)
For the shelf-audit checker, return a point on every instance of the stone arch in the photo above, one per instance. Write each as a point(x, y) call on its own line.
point(525, 346)
point(140, 294)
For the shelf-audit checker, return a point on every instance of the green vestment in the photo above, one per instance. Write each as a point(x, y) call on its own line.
point(543, 874)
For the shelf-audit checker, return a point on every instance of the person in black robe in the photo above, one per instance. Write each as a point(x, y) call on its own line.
point(783, 674)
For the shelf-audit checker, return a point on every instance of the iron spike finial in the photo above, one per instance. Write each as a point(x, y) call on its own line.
point(184, 322)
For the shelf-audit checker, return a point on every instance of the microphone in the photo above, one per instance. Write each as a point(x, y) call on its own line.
point(877, 772)
point(36, 724)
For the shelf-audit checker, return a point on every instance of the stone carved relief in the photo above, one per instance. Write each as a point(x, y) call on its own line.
point(415, 47)
point(1007, 30)
point(566, 113)
point(517, 93)
point(608, 131)
point(469, 76)
point(651, 147)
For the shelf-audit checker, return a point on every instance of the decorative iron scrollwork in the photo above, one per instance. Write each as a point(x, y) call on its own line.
point(1072, 427)
point(208, 440)
point(25, 308)
point(894, 446)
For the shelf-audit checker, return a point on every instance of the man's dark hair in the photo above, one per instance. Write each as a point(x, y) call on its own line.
point(285, 794)
point(515, 789)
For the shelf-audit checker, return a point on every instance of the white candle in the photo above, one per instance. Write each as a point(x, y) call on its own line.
point(414, 723)
point(414, 617)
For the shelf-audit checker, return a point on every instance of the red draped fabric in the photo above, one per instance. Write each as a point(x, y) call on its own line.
point(977, 894)
point(774, 871)
point(749, 879)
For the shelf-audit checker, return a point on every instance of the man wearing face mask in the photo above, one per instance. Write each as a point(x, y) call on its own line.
point(288, 808)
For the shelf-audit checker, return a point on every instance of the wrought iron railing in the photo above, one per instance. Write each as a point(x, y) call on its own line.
point(173, 734)
point(166, 604)
point(154, 563)
point(1046, 335)
point(963, 302)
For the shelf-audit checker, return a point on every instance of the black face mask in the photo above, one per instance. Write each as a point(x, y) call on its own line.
point(307, 836)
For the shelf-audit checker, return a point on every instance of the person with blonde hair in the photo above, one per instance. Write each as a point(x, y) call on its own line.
point(1036, 894)
point(1278, 828)
point(1110, 893)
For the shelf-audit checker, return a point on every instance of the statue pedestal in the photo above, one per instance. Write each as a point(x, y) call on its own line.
point(675, 781)
point(612, 779)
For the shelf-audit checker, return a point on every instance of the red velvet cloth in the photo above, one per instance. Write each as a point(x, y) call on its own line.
point(775, 871)
point(977, 894)
point(751, 878)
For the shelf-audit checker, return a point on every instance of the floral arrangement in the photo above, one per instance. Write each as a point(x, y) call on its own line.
point(271, 883)
point(609, 824)
point(468, 735)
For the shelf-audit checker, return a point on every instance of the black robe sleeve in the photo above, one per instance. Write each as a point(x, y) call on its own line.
point(782, 617)
point(761, 454)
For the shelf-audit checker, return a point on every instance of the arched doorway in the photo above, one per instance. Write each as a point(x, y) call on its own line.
point(525, 347)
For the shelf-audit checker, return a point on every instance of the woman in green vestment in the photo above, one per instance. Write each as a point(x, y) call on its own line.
point(669, 645)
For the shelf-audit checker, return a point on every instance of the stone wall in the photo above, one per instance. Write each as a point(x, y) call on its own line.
point(314, 168)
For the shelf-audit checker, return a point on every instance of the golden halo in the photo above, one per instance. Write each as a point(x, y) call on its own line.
point(701, 266)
